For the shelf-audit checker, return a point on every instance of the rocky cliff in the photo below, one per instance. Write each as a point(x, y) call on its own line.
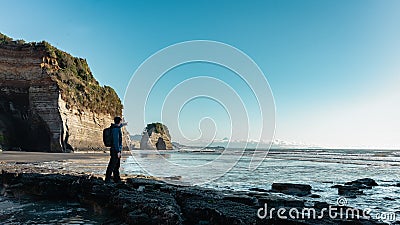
point(152, 133)
point(50, 101)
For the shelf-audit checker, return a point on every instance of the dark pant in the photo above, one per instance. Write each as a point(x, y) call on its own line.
point(113, 167)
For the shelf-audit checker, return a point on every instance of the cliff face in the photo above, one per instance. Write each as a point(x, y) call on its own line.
point(50, 101)
point(152, 133)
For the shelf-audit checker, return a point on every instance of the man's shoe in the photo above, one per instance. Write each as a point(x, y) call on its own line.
point(118, 181)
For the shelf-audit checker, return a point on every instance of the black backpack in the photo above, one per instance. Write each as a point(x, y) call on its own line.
point(107, 136)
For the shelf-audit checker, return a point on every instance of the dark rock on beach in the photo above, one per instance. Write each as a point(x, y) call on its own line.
point(244, 199)
point(258, 189)
point(349, 191)
point(354, 188)
point(200, 210)
point(149, 201)
point(280, 201)
point(364, 183)
point(314, 196)
point(292, 189)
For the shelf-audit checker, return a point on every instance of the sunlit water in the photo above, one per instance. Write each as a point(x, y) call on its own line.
point(319, 168)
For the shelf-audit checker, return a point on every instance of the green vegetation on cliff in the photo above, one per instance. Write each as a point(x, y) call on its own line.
point(5, 39)
point(156, 127)
point(78, 86)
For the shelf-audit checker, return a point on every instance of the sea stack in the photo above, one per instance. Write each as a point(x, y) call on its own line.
point(151, 135)
point(50, 101)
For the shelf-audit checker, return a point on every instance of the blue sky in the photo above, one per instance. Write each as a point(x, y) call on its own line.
point(333, 66)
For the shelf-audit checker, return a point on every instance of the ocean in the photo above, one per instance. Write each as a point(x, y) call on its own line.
point(321, 168)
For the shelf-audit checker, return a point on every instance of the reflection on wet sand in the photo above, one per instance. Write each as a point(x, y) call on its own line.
point(154, 156)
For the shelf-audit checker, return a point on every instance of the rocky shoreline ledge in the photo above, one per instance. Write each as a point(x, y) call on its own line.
point(150, 201)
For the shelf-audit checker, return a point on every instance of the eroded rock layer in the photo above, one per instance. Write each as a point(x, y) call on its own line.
point(50, 101)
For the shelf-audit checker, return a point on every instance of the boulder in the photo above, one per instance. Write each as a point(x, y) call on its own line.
point(292, 189)
point(353, 188)
point(365, 183)
point(244, 199)
point(203, 210)
point(148, 207)
point(349, 191)
point(279, 200)
point(321, 205)
point(258, 189)
point(315, 196)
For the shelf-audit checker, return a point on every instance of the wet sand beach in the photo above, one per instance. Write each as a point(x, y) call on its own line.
point(28, 157)
point(64, 163)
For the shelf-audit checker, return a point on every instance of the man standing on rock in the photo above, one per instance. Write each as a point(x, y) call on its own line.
point(115, 151)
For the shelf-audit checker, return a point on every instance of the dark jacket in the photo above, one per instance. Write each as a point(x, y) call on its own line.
point(117, 138)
